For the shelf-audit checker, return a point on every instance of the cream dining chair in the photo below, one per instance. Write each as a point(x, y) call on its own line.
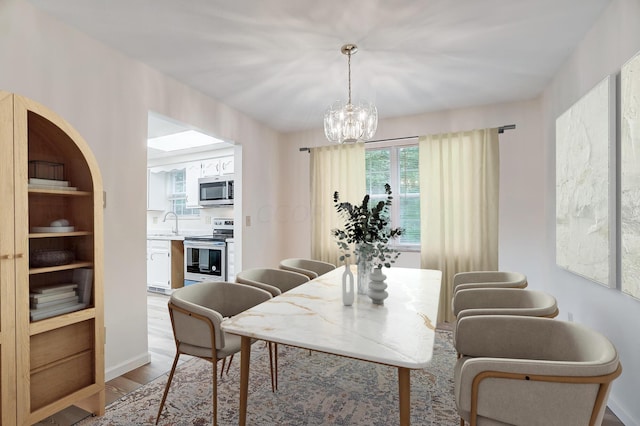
point(309, 267)
point(488, 279)
point(519, 370)
point(276, 282)
point(196, 313)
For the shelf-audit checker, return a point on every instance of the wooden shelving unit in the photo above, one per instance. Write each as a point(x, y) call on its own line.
point(50, 364)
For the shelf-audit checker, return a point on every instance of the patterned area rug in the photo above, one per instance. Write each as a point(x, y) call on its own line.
point(313, 389)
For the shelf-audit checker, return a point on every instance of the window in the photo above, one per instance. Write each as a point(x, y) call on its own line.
point(398, 166)
point(178, 194)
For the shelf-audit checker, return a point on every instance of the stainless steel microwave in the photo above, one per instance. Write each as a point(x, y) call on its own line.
point(215, 191)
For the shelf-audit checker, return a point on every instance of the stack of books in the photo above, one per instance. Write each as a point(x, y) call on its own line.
point(57, 299)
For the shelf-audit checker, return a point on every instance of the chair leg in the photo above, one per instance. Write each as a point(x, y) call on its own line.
point(224, 361)
point(166, 389)
point(461, 421)
point(214, 367)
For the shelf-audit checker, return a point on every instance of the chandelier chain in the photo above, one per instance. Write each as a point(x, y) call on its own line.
point(349, 62)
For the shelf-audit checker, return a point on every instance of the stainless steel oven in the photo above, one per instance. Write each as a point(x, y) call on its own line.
point(205, 260)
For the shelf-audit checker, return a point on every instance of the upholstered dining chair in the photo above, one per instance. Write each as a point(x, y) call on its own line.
point(196, 313)
point(490, 279)
point(504, 301)
point(519, 370)
point(276, 282)
point(487, 279)
point(309, 267)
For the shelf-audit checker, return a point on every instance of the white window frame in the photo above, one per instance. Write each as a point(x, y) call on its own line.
point(393, 147)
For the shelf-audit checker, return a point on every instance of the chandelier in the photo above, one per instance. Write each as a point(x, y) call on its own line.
point(350, 123)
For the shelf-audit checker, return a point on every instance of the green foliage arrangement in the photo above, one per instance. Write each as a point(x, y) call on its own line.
point(368, 229)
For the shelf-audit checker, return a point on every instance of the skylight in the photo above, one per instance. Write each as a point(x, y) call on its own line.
point(182, 140)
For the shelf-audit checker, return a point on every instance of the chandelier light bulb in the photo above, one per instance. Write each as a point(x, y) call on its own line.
point(348, 123)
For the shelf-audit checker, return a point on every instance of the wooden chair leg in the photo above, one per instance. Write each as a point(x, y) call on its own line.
point(215, 391)
point(166, 389)
point(461, 421)
point(229, 365)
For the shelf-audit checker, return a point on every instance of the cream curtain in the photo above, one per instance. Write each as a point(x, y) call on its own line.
point(333, 168)
point(459, 181)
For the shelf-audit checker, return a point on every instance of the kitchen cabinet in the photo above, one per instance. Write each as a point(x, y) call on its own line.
point(193, 172)
point(156, 190)
point(210, 167)
point(53, 363)
point(159, 265)
point(165, 264)
point(226, 165)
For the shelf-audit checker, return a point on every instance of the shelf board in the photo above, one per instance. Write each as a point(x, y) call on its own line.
point(53, 323)
point(73, 265)
point(59, 234)
point(65, 193)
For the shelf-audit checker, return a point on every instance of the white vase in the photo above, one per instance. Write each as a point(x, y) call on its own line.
point(348, 290)
point(377, 286)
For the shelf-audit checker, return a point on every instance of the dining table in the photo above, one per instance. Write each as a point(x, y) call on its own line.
point(399, 333)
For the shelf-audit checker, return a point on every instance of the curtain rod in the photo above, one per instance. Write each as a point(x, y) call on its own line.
point(501, 129)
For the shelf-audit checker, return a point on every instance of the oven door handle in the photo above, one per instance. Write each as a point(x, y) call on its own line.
point(204, 244)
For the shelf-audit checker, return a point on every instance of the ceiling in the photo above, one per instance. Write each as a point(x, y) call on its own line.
point(279, 61)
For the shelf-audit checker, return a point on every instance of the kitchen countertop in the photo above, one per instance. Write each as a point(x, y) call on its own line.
point(171, 237)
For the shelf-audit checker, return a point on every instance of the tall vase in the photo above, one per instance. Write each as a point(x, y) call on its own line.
point(364, 268)
point(377, 286)
point(348, 290)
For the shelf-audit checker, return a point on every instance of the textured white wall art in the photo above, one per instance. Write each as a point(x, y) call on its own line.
point(630, 177)
point(585, 186)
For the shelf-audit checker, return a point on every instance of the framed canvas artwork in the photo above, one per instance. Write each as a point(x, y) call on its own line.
point(585, 186)
point(630, 177)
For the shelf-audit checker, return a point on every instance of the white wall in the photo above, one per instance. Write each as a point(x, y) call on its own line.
point(106, 97)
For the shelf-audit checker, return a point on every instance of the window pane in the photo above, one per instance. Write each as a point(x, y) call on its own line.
point(409, 194)
point(378, 170)
point(178, 194)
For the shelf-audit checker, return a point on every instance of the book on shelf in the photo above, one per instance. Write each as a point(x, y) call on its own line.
point(55, 288)
point(48, 182)
point(60, 188)
point(84, 278)
point(39, 298)
point(39, 315)
point(37, 305)
point(74, 301)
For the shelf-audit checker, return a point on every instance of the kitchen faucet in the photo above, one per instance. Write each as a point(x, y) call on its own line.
point(175, 231)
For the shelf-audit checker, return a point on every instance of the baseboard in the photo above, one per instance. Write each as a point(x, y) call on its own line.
point(127, 366)
point(621, 414)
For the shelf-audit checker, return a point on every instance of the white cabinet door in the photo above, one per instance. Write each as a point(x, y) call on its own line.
point(211, 167)
point(156, 190)
point(193, 172)
point(226, 165)
point(159, 264)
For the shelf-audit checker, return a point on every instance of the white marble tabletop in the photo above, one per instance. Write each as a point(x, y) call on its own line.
point(400, 333)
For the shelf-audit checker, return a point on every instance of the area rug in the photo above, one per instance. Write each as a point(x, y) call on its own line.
point(313, 389)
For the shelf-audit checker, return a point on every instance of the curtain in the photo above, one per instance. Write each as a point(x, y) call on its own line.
point(459, 181)
point(333, 168)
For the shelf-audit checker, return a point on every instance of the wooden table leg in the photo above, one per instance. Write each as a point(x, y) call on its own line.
point(404, 385)
point(245, 355)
